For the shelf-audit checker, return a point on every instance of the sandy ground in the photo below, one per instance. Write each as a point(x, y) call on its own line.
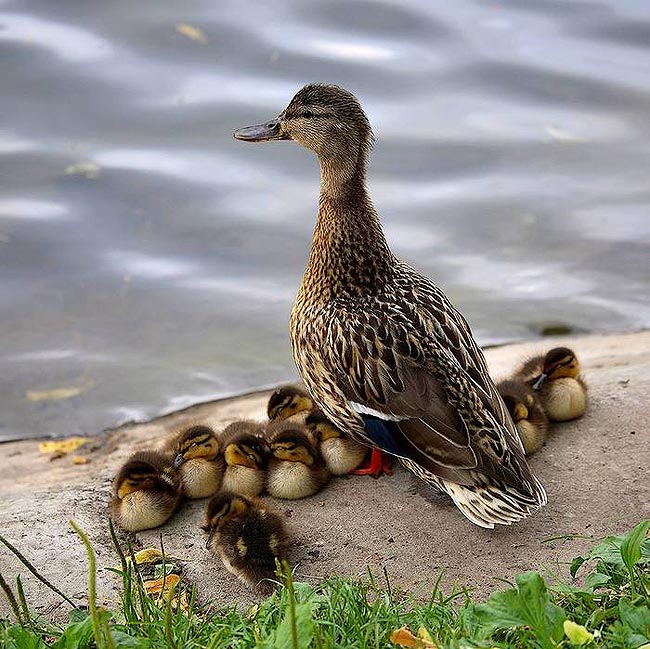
point(595, 471)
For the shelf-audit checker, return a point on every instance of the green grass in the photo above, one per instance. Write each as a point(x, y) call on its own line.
point(605, 603)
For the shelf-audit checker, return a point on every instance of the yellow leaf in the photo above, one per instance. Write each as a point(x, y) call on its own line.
point(155, 586)
point(567, 137)
point(54, 395)
point(424, 635)
point(404, 638)
point(87, 169)
point(80, 459)
point(62, 445)
point(148, 555)
point(57, 394)
point(576, 633)
point(192, 32)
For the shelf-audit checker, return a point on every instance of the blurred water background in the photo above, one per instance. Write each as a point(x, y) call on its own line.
point(149, 261)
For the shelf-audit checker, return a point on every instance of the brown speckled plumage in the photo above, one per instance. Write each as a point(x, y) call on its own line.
point(371, 335)
point(248, 536)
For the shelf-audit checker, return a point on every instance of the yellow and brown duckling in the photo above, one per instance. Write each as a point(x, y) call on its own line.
point(526, 411)
point(247, 536)
point(146, 491)
point(289, 402)
point(557, 380)
point(296, 467)
point(340, 452)
point(246, 455)
point(197, 453)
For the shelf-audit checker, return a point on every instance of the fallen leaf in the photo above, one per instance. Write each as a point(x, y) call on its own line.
point(86, 169)
point(62, 446)
point(148, 555)
point(192, 32)
point(166, 588)
point(152, 555)
point(424, 635)
point(404, 638)
point(577, 633)
point(155, 586)
point(53, 395)
point(58, 394)
point(560, 135)
point(80, 459)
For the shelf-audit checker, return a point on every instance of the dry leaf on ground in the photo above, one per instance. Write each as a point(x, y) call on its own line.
point(404, 638)
point(87, 169)
point(194, 33)
point(57, 394)
point(62, 446)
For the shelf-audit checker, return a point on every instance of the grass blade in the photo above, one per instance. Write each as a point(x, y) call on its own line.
point(35, 572)
point(11, 598)
point(92, 593)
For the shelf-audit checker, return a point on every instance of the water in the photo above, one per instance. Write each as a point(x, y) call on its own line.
point(149, 261)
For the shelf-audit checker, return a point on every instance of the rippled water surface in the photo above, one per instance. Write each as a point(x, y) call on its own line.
point(149, 261)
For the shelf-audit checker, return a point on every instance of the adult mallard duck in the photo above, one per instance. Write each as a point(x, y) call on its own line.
point(556, 378)
point(379, 347)
point(526, 411)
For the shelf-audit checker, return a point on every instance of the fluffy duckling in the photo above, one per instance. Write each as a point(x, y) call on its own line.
point(340, 452)
point(146, 491)
point(289, 402)
point(246, 455)
point(247, 536)
point(526, 411)
point(197, 452)
point(556, 379)
point(296, 467)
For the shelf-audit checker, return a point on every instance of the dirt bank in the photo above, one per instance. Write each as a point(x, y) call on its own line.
point(595, 471)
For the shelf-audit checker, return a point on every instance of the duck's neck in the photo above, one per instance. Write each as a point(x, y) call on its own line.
point(349, 253)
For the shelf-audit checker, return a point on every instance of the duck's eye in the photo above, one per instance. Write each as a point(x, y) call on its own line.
point(307, 114)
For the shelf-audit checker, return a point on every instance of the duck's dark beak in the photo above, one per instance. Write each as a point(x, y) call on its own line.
point(210, 537)
point(539, 382)
point(178, 460)
point(268, 131)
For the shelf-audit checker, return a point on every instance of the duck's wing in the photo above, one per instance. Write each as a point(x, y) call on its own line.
point(416, 369)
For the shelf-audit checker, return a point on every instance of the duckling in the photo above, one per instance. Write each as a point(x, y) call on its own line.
point(247, 536)
point(290, 402)
point(526, 411)
point(296, 467)
point(556, 379)
point(246, 454)
point(146, 491)
point(198, 460)
point(340, 452)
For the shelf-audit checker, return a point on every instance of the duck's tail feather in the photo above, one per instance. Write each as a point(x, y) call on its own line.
point(487, 504)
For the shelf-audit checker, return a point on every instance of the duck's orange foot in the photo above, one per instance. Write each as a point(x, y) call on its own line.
point(378, 464)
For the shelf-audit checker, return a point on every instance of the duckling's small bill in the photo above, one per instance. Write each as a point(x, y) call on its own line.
point(260, 132)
